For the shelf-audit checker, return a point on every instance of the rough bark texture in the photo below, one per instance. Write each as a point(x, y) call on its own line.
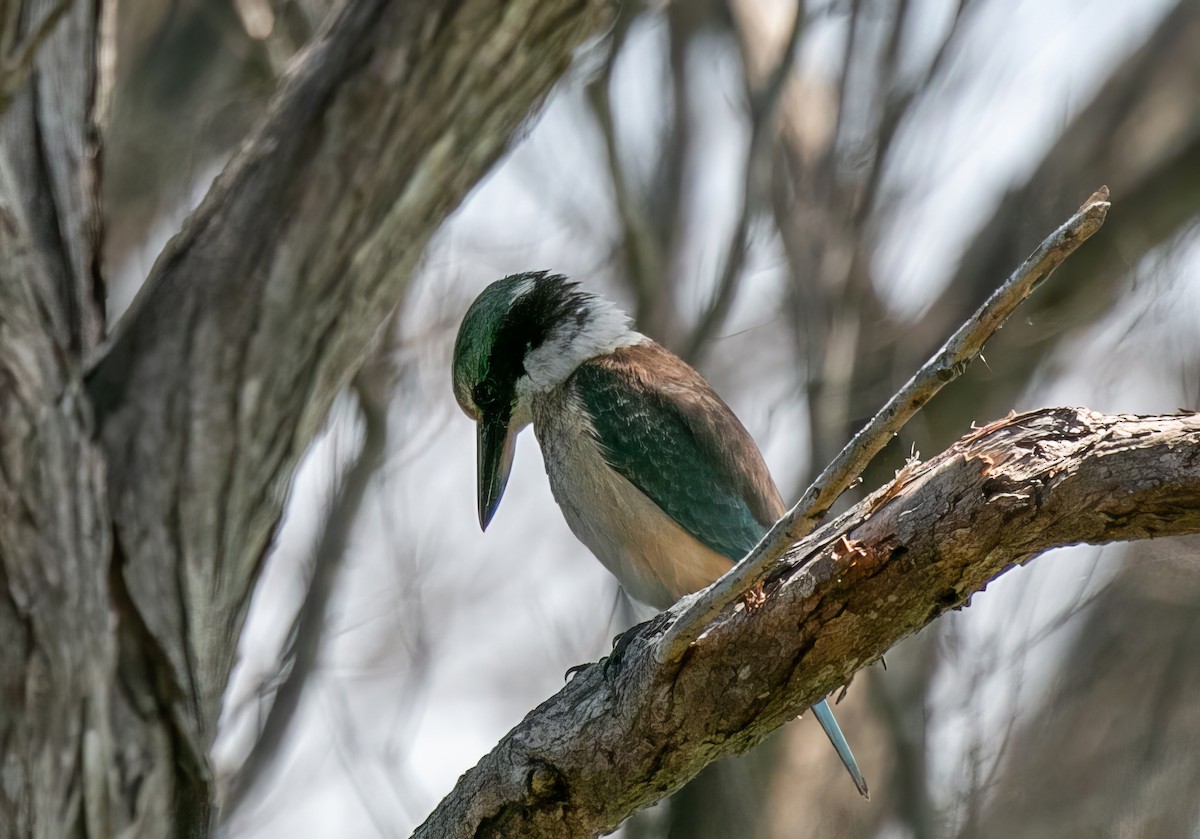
point(57, 661)
point(135, 512)
point(261, 309)
point(50, 139)
point(627, 731)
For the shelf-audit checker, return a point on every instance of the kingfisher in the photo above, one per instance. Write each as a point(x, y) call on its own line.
point(652, 470)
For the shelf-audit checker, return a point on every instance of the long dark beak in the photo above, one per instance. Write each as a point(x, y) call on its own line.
point(495, 456)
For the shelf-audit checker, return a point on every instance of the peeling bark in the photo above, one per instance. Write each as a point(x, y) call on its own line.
point(57, 663)
point(627, 731)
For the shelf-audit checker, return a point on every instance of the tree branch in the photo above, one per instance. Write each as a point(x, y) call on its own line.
point(631, 729)
point(946, 365)
point(644, 257)
point(55, 628)
point(265, 304)
point(1158, 188)
point(51, 137)
point(756, 180)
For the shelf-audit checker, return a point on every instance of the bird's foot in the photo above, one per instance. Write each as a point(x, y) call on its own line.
point(571, 671)
point(621, 644)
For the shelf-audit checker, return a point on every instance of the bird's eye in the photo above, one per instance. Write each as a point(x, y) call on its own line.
point(485, 394)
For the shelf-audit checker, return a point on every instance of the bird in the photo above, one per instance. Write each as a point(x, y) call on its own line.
point(652, 470)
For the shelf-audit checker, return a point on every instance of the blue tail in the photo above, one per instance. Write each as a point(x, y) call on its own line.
point(825, 717)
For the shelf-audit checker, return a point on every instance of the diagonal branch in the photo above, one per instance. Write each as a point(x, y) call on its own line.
point(946, 365)
point(631, 729)
point(1158, 189)
point(50, 100)
point(56, 647)
point(263, 306)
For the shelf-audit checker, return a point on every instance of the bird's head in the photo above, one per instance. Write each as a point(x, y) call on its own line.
point(524, 335)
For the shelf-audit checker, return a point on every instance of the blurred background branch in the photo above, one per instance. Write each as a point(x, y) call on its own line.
point(304, 639)
point(17, 51)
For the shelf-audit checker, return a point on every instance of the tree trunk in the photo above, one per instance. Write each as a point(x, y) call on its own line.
point(135, 510)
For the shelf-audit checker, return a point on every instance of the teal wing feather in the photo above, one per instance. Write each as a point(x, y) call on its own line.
point(663, 428)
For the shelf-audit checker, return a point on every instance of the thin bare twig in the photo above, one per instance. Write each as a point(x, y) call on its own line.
point(898, 103)
point(756, 181)
point(645, 262)
point(945, 366)
point(849, 47)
